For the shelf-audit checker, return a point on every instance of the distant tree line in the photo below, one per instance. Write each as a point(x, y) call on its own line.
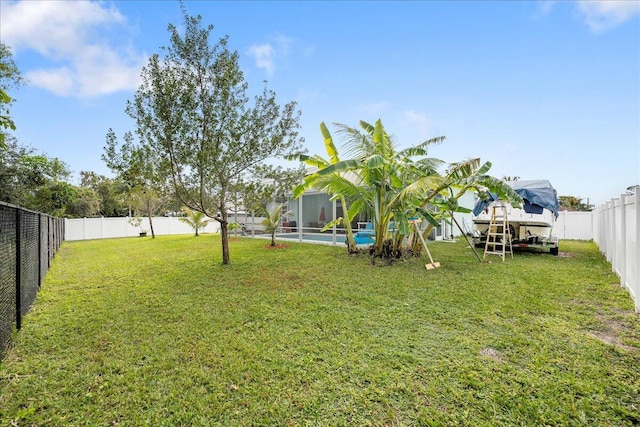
point(572, 203)
point(41, 183)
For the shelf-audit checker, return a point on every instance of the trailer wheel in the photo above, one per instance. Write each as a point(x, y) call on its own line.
point(554, 251)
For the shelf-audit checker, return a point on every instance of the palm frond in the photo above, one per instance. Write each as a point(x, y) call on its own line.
point(501, 189)
point(355, 143)
point(422, 147)
point(461, 170)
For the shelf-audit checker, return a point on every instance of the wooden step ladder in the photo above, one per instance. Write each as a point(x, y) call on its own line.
point(498, 234)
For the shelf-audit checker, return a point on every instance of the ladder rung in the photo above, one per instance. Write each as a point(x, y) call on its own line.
point(498, 227)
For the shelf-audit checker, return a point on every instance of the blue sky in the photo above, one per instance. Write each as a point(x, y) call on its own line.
point(543, 90)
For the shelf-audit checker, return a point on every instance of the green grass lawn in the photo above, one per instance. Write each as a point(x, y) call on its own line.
point(157, 332)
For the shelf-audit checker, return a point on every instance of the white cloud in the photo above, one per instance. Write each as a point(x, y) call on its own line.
point(58, 80)
point(275, 53)
point(263, 54)
point(419, 121)
point(68, 35)
point(603, 15)
point(543, 8)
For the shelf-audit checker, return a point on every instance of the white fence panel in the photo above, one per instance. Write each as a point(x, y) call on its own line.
point(105, 228)
point(617, 233)
point(574, 226)
point(632, 247)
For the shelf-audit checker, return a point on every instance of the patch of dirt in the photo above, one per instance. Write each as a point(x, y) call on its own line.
point(609, 338)
point(491, 353)
point(277, 246)
point(613, 327)
point(566, 255)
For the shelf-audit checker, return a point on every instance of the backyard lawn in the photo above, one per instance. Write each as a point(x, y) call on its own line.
point(157, 332)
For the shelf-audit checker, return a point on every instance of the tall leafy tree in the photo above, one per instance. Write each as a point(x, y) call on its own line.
point(192, 109)
point(34, 181)
point(10, 78)
point(112, 194)
point(574, 203)
point(141, 169)
point(56, 198)
point(85, 205)
point(268, 185)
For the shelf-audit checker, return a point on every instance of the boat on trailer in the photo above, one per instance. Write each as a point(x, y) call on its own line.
point(530, 227)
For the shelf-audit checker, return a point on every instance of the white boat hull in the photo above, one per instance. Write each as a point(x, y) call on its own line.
point(528, 230)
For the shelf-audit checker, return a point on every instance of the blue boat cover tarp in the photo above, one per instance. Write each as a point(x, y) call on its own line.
point(537, 194)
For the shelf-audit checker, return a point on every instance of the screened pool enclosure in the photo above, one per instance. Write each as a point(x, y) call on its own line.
point(307, 217)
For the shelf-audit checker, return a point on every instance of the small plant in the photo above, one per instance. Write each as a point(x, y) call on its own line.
point(194, 219)
point(273, 218)
point(235, 226)
point(136, 221)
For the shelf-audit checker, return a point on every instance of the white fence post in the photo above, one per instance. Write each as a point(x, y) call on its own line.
point(634, 261)
point(623, 243)
point(617, 233)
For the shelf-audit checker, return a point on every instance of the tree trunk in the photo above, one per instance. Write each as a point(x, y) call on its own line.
point(153, 234)
point(224, 224)
point(381, 228)
point(351, 243)
point(224, 233)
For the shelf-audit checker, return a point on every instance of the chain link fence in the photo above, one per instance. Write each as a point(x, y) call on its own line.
point(28, 243)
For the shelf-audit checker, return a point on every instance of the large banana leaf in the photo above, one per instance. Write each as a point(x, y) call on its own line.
point(341, 166)
point(328, 144)
point(427, 216)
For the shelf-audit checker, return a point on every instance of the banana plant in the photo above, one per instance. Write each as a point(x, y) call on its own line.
point(334, 184)
point(469, 175)
point(384, 173)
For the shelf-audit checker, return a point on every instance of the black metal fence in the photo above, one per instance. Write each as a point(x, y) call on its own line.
point(28, 243)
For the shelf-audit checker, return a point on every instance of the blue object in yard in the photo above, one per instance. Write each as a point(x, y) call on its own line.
point(366, 236)
point(537, 194)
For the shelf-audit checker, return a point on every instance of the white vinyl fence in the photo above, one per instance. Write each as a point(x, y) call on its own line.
point(574, 226)
point(105, 228)
point(616, 230)
point(615, 227)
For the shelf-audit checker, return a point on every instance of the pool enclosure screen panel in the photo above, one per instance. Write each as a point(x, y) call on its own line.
point(317, 210)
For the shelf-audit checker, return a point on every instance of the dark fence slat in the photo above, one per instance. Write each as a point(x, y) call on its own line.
point(8, 267)
point(28, 242)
